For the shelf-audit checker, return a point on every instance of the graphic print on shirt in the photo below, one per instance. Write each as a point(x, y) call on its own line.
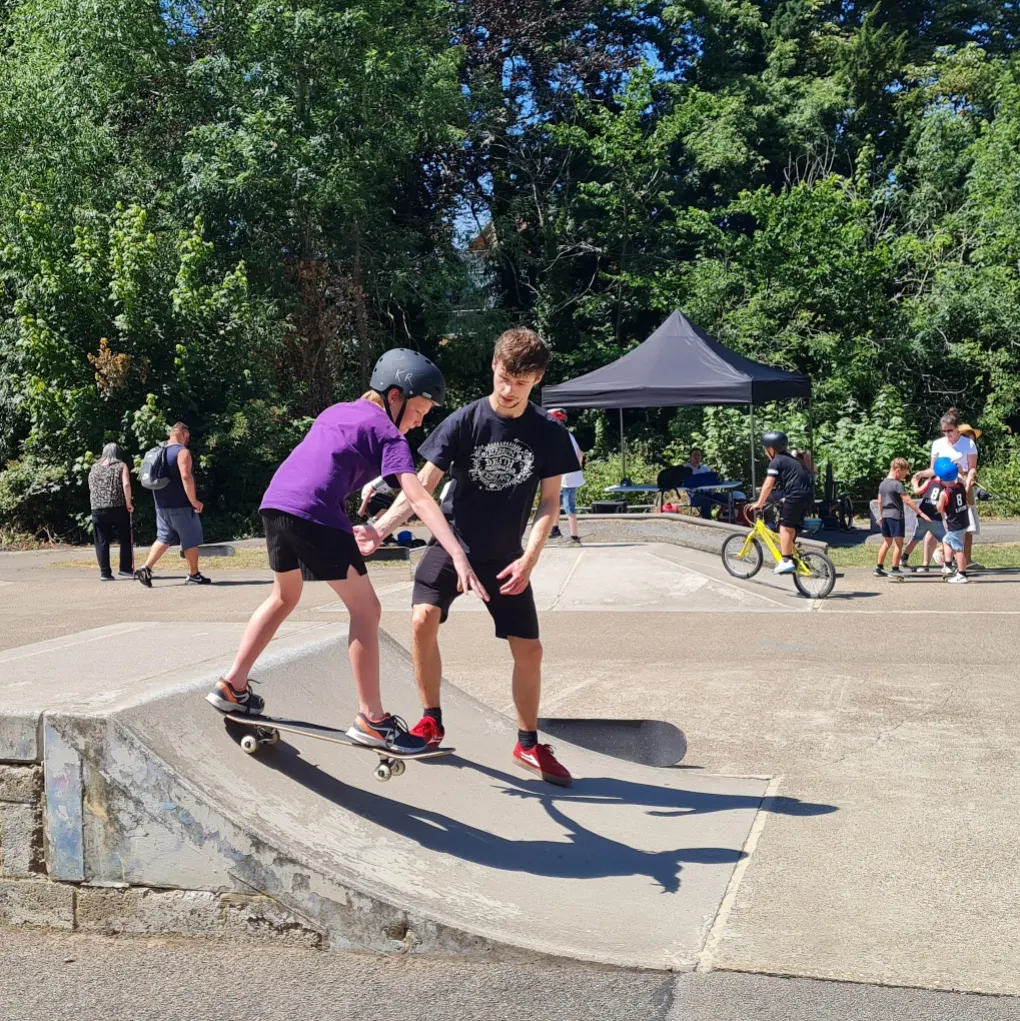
point(501, 465)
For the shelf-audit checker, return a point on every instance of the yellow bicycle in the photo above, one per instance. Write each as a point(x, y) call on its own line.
point(742, 556)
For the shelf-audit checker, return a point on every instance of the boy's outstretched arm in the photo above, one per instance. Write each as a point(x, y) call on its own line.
point(372, 536)
point(766, 491)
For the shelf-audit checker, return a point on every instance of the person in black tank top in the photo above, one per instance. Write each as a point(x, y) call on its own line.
point(956, 515)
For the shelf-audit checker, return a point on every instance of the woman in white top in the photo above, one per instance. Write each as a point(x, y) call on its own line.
point(963, 452)
point(572, 482)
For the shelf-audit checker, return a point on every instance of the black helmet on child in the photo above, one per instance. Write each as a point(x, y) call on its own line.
point(412, 372)
point(776, 440)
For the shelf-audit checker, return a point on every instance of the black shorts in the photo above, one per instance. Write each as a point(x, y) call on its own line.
point(793, 511)
point(894, 528)
point(435, 584)
point(322, 553)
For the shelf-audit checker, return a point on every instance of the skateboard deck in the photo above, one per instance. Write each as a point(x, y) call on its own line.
point(214, 549)
point(647, 742)
point(267, 730)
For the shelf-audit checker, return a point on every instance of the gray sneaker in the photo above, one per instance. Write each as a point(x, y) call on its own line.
point(389, 733)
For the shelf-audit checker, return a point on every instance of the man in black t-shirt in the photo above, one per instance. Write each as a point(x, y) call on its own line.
point(498, 451)
point(798, 489)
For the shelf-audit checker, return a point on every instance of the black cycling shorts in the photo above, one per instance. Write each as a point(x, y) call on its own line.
point(322, 553)
point(792, 512)
point(435, 584)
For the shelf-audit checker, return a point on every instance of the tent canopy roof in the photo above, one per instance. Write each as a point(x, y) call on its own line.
point(678, 365)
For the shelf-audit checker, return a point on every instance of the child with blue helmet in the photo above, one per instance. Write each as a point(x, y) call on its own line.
point(952, 505)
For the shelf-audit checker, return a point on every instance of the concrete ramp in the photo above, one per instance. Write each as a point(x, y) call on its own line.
point(147, 787)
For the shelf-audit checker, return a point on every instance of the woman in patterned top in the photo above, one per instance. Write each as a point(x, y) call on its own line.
point(112, 506)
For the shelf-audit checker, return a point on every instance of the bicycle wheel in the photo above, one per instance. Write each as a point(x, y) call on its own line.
point(741, 566)
point(822, 578)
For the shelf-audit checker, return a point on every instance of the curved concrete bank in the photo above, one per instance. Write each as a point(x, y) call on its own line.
point(154, 820)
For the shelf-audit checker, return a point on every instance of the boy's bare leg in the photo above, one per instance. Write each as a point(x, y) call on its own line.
point(897, 552)
point(428, 664)
point(787, 537)
point(264, 623)
point(968, 547)
point(527, 682)
point(930, 545)
point(882, 550)
point(572, 520)
point(362, 604)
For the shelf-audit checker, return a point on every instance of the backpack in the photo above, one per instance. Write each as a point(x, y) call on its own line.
point(154, 473)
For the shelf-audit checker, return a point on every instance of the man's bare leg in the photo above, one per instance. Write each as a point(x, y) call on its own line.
point(191, 555)
point(157, 550)
point(428, 664)
point(527, 682)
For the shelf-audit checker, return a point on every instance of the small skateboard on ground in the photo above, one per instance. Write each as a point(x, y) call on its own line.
point(214, 549)
point(267, 729)
point(647, 742)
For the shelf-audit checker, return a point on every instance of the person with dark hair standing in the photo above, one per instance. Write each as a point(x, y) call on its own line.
point(112, 506)
point(500, 451)
point(177, 511)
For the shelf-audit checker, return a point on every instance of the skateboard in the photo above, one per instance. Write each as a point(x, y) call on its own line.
point(647, 742)
point(215, 549)
point(267, 729)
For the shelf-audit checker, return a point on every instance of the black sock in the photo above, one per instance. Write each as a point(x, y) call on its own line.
point(437, 715)
point(527, 738)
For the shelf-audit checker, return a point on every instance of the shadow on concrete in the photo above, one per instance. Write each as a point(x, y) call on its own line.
point(584, 854)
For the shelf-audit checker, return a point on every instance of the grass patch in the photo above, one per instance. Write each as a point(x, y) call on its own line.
point(1003, 554)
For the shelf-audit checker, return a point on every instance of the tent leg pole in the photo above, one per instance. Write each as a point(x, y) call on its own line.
point(623, 446)
point(753, 486)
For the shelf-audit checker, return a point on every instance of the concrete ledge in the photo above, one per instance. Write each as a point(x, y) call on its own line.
point(679, 529)
point(190, 913)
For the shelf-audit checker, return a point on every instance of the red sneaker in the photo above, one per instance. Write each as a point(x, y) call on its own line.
point(427, 729)
point(541, 760)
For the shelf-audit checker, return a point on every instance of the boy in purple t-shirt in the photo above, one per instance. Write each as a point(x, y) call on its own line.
point(309, 536)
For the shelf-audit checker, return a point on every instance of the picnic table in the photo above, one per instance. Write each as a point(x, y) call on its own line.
point(729, 488)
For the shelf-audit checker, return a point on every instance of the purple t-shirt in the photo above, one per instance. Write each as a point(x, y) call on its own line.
point(347, 446)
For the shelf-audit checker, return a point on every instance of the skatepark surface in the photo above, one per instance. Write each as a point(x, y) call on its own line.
point(846, 809)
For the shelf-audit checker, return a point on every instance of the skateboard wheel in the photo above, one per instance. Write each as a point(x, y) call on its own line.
point(397, 767)
point(383, 772)
point(249, 744)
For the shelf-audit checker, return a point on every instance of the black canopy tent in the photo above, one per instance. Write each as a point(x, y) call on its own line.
point(679, 366)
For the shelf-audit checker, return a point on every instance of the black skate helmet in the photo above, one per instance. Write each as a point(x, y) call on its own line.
point(778, 441)
point(412, 372)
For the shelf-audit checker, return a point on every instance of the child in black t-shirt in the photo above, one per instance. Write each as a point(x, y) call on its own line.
point(797, 485)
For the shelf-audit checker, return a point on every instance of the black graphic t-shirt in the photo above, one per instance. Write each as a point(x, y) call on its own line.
point(496, 464)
